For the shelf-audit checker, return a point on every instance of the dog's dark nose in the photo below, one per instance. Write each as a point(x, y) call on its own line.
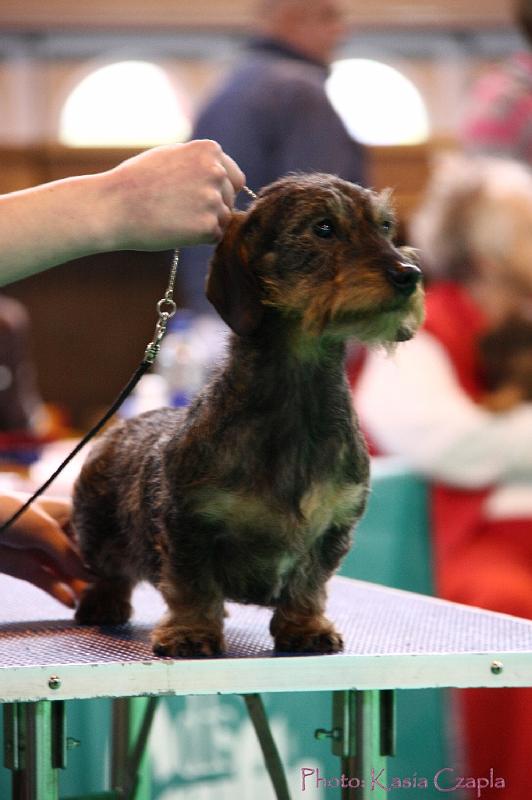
point(404, 277)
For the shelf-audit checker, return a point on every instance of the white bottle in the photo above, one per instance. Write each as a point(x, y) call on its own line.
point(189, 351)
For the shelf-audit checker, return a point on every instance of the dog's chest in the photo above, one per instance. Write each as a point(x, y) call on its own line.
point(326, 504)
point(322, 504)
point(246, 517)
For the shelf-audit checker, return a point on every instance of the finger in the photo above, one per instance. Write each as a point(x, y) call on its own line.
point(76, 585)
point(224, 218)
point(216, 232)
point(26, 566)
point(60, 508)
point(64, 553)
point(234, 173)
point(228, 193)
point(36, 529)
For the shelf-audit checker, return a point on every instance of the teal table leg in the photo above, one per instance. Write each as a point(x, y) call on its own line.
point(363, 735)
point(130, 774)
point(272, 759)
point(34, 745)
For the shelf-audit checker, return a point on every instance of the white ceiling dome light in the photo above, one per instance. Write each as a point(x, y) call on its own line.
point(127, 103)
point(377, 104)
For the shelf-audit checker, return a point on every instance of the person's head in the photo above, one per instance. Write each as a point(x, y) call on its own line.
point(314, 27)
point(523, 15)
point(476, 224)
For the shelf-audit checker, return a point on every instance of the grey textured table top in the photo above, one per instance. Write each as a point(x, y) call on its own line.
point(393, 639)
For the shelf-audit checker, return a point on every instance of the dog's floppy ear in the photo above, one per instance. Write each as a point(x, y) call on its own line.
point(231, 286)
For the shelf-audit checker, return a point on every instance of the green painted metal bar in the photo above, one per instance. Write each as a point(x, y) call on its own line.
point(34, 748)
point(35, 745)
point(272, 759)
point(99, 796)
point(363, 735)
point(132, 718)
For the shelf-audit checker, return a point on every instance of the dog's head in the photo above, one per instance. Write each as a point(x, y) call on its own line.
point(317, 251)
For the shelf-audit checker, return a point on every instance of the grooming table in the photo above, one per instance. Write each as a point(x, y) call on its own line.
point(393, 640)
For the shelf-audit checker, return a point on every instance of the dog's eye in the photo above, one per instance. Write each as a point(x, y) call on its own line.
point(387, 226)
point(324, 228)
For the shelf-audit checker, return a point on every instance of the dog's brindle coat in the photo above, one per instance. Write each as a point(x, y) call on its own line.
point(252, 494)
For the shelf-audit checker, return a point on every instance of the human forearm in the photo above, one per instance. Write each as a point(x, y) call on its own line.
point(163, 198)
point(49, 224)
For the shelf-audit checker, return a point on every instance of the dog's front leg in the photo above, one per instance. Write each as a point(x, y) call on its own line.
point(193, 625)
point(299, 624)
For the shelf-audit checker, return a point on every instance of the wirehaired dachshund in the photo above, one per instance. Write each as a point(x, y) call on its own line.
point(252, 493)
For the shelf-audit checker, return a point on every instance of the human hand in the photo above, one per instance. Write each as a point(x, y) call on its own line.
point(169, 196)
point(37, 547)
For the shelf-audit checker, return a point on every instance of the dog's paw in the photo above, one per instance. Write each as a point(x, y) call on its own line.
point(186, 643)
point(326, 640)
point(98, 608)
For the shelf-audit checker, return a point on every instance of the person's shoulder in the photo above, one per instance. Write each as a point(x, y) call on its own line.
point(269, 65)
point(251, 76)
point(262, 83)
point(291, 73)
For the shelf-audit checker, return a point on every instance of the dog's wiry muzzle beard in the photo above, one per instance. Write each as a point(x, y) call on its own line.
point(413, 319)
point(390, 326)
point(402, 324)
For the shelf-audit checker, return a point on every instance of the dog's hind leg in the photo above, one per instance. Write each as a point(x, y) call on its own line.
point(106, 602)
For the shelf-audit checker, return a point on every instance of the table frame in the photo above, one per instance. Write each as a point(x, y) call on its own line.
point(36, 745)
point(362, 681)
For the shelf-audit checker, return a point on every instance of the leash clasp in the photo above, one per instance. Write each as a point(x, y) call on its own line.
point(152, 349)
point(166, 309)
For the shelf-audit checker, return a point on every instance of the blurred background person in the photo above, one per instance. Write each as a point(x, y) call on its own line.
point(273, 116)
point(20, 404)
point(499, 117)
point(475, 233)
